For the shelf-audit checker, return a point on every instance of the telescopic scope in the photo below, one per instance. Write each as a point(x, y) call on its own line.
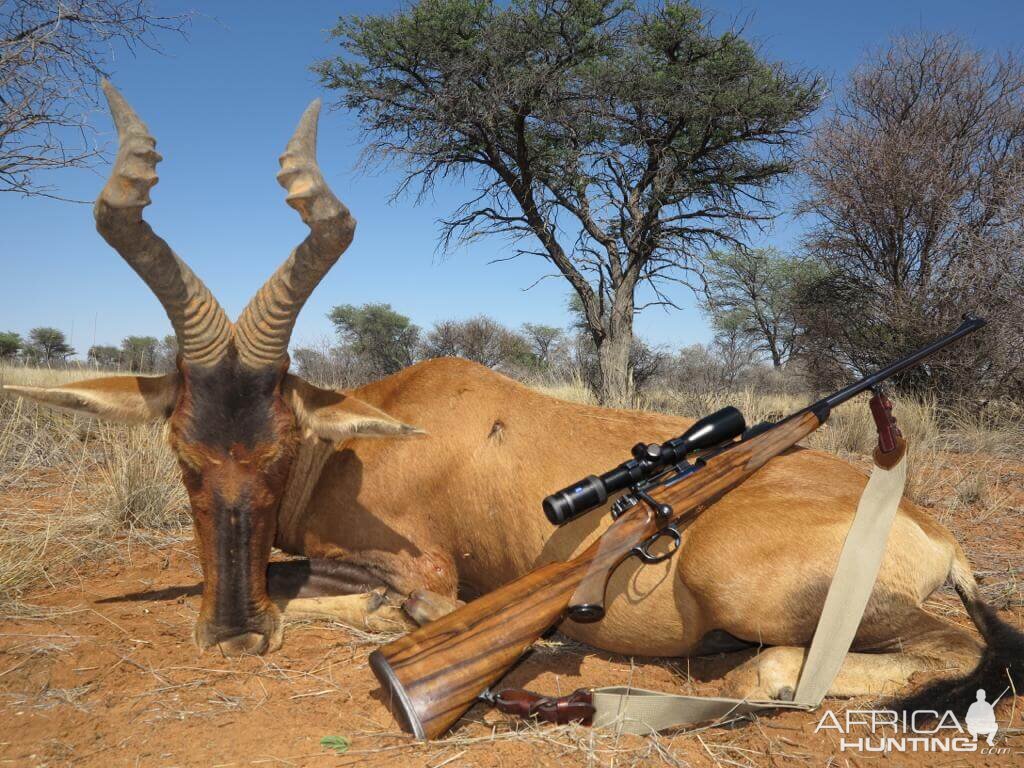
point(593, 490)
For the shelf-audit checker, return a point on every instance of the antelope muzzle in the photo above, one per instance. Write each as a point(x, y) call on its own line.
point(236, 615)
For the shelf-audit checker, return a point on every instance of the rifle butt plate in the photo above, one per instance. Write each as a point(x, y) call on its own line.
point(396, 698)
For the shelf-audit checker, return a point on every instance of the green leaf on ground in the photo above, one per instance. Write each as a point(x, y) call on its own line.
point(338, 743)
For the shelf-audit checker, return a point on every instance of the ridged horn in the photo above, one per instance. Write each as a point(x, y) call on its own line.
point(265, 326)
point(202, 328)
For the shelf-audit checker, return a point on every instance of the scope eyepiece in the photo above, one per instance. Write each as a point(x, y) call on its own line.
point(593, 491)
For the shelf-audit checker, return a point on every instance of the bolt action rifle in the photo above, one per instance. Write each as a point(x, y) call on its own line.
point(432, 675)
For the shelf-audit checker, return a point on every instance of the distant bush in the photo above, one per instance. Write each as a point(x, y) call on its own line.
point(482, 340)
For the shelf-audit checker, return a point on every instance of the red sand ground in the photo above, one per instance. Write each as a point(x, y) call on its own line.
point(107, 675)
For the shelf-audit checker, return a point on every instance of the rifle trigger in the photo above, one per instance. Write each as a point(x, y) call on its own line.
point(643, 550)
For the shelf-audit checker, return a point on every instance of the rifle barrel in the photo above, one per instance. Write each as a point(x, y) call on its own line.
point(969, 325)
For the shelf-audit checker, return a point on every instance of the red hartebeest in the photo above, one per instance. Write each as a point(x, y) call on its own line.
point(270, 459)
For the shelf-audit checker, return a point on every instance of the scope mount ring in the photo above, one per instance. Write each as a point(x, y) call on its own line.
point(642, 550)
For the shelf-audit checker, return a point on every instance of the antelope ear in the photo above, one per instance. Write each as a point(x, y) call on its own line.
point(133, 399)
point(336, 416)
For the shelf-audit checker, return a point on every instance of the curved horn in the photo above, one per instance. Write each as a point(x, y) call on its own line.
point(265, 326)
point(202, 328)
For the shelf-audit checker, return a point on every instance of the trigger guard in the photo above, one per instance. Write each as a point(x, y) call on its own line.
point(641, 550)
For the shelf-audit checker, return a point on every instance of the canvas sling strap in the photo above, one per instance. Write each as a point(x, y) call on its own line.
point(634, 710)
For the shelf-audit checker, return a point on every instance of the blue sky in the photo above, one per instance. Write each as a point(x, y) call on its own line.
point(222, 105)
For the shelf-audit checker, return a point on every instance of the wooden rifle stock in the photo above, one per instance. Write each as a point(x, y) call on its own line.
point(434, 674)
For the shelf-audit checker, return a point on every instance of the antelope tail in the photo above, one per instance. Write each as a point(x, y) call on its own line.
point(1002, 662)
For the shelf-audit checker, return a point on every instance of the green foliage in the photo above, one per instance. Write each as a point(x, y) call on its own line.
point(383, 338)
point(104, 356)
point(544, 341)
point(139, 353)
point(10, 344)
point(751, 294)
point(339, 744)
point(47, 345)
point(646, 135)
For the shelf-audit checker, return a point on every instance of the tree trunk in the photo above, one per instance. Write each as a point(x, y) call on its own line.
point(616, 385)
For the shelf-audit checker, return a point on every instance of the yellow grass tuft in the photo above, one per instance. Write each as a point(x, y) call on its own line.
point(71, 485)
point(573, 391)
point(140, 486)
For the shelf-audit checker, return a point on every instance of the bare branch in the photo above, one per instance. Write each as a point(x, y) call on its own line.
point(916, 185)
point(52, 57)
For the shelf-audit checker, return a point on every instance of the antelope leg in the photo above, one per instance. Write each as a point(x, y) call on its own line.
point(319, 578)
point(372, 610)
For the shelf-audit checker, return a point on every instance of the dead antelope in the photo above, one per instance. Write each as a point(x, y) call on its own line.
point(269, 459)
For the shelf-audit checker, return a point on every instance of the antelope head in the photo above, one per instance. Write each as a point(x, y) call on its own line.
point(234, 415)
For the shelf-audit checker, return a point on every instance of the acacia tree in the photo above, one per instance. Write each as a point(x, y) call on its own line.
point(139, 353)
point(383, 339)
point(544, 341)
point(104, 356)
point(619, 144)
point(47, 345)
point(752, 293)
point(916, 184)
point(52, 55)
point(10, 344)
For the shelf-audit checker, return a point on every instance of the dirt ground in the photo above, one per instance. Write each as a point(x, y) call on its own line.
point(102, 672)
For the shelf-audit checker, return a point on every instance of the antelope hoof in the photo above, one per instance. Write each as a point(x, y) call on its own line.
point(424, 606)
point(769, 676)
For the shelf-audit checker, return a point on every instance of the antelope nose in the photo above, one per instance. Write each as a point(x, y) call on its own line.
point(260, 633)
point(245, 643)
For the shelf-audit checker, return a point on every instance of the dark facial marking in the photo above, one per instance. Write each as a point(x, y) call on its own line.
point(233, 532)
point(234, 435)
point(231, 405)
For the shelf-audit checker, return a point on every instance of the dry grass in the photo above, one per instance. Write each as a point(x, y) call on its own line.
point(71, 485)
point(573, 391)
point(141, 484)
